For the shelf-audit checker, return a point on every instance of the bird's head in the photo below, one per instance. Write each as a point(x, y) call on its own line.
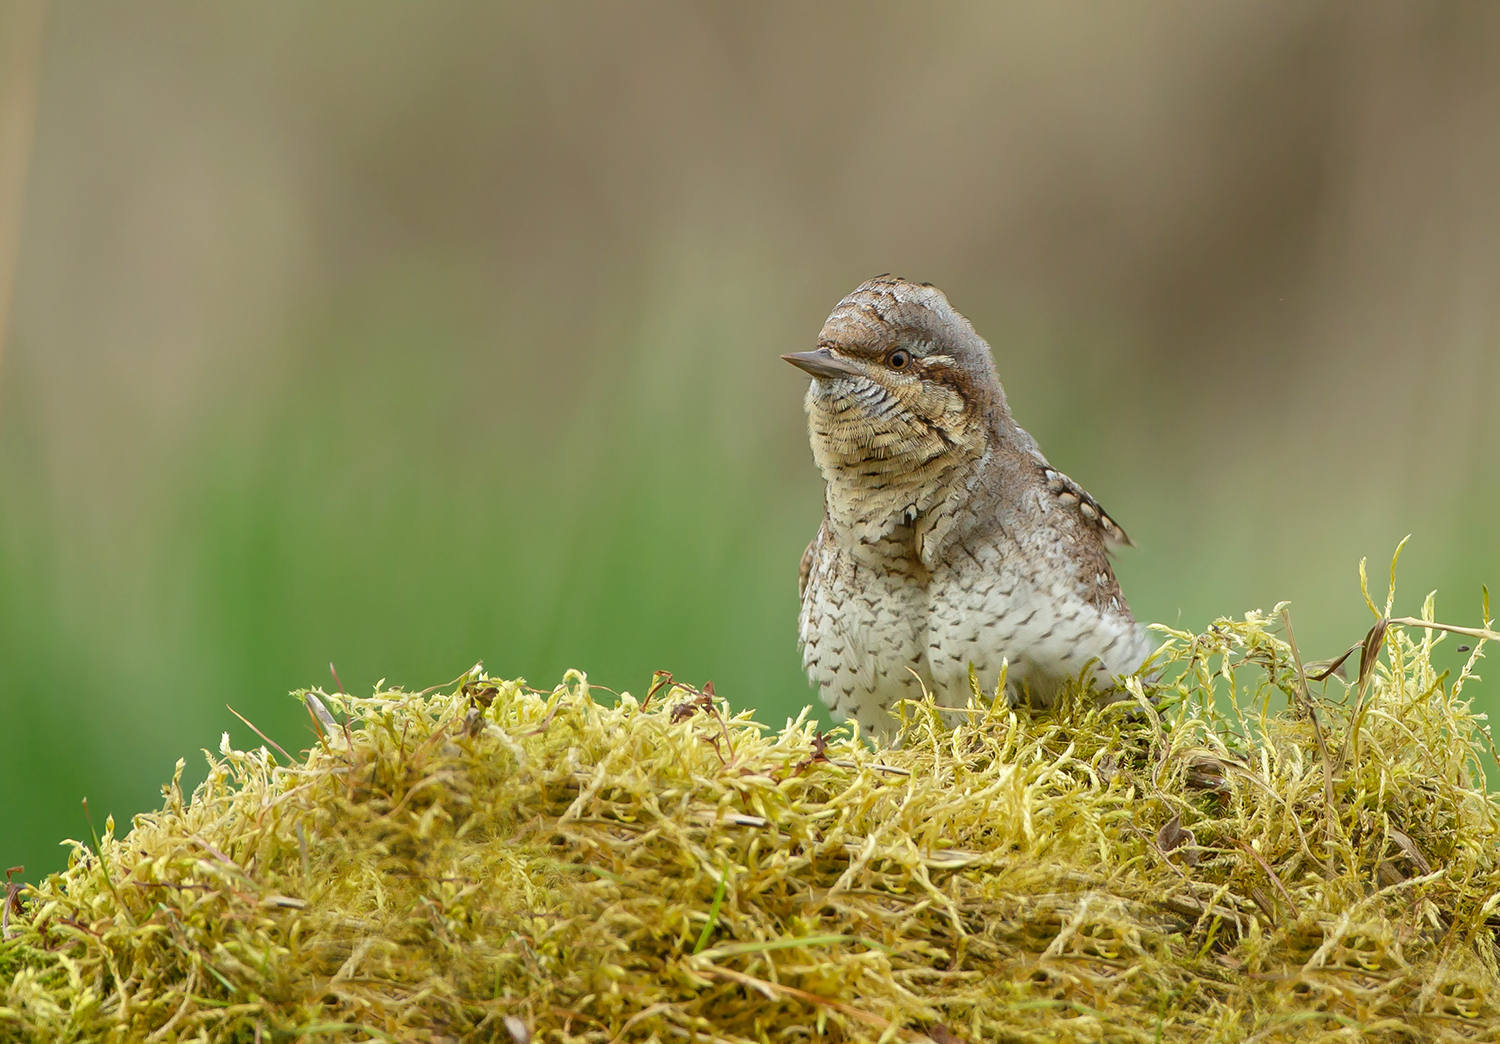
point(901, 382)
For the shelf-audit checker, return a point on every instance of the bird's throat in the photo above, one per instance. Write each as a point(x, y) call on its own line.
point(879, 488)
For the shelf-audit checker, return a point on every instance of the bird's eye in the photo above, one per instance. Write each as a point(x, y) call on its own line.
point(900, 359)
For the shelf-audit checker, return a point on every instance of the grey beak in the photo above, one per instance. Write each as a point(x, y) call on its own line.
point(823, 363)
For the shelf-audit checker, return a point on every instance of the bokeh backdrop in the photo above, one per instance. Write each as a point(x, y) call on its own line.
point(406, 335)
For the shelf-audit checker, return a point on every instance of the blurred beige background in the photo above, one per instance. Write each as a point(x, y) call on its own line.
point(405, 336)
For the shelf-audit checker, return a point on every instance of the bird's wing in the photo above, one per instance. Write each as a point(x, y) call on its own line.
point(805, 570)
point(1071, 493)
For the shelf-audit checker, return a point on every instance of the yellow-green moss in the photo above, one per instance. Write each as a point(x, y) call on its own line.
point(489, 861)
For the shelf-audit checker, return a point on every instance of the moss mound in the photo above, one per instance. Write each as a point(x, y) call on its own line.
point(1226, 858)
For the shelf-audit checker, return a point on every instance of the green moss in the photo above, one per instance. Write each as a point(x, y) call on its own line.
point(1207, 862)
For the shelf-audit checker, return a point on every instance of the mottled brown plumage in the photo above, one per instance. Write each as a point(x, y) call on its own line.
point(947, 540)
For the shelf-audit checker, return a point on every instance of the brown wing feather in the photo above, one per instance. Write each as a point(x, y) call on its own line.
point(1070, 492)
point(805, 570)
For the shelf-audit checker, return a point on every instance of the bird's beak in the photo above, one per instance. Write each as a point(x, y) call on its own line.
point(823, 363)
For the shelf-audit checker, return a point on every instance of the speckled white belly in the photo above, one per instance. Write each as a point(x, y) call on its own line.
point(863, 639)
point(1046, 634)
point(871, 638)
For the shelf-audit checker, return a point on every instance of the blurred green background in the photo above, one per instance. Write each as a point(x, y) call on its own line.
point(408, 335)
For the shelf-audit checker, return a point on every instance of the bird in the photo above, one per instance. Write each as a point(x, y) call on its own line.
point(949, 544)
